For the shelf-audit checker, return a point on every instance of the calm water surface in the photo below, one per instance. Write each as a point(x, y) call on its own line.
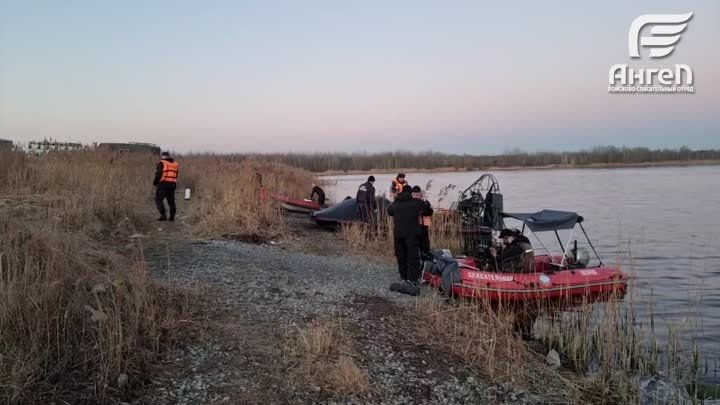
point(667, 219)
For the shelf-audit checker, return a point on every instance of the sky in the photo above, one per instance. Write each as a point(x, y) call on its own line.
point(349, 76)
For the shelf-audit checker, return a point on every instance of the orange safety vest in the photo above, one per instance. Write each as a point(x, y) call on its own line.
point(170, 171)
point(398, 187)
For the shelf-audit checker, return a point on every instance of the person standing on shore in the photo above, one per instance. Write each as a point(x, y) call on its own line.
point(406, 212)
point(166, 175)
point(425, 222)
point(365, 199)
point(397, 185)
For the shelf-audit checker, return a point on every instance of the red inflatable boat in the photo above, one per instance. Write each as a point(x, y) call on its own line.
point(548, 283)
point(297, 205)
point(567, 275)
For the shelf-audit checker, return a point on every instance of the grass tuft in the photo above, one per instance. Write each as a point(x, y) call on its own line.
point(321, 357)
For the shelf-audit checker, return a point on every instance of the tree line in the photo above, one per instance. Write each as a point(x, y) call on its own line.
point(601, 155)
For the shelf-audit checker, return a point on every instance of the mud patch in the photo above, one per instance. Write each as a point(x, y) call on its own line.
point(251, 238)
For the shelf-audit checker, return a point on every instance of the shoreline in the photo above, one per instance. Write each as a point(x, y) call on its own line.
point(667, 163)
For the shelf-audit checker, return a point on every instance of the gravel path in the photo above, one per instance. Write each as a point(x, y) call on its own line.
point(260, 293)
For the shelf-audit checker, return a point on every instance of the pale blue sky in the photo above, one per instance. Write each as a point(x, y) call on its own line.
point(457, 76)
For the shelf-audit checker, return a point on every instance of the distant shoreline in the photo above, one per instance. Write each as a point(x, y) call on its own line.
point(668, 163)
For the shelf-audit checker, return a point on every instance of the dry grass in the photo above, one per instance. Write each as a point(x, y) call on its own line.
point(79, 314)
point(227, 199)
point(378, 244)
point(602, 338)
point(484, 338)
point(445, 230)
point(322, 356)
point(80, 320)
point(348, 378)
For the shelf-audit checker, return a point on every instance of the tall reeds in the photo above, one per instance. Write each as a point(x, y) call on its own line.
point(605, 354)
point(80, 319)
point(376, 240)
point(229, 198)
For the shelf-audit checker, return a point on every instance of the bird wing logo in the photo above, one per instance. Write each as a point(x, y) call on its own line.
point(664, 33)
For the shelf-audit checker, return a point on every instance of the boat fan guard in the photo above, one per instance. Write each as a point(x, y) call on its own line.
point(480, 206)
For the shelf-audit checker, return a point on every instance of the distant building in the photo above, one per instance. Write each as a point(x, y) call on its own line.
point(42, 147)
point(131, 147)
point(5, 144)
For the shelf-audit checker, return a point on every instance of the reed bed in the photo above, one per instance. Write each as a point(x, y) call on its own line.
point(376, 241)
point(605, 354)
point(229, 200)
point(80, 319)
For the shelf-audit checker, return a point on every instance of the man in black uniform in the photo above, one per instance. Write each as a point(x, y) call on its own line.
point(365, 199)
point(406, 212)
point(166, 174)
point(320, 194)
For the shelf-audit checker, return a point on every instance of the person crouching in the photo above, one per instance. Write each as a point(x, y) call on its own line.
point(405, 211)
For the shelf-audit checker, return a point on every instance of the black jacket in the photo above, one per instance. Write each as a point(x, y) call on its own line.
point(427, 204)
point(406, 212)
point(366, 194)
point(159, 173)
point(320, 193)
point(512, 255)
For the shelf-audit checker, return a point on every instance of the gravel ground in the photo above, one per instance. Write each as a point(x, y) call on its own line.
point(259, 293)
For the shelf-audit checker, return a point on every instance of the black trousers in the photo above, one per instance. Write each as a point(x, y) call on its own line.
point(366, 214)
point(407, 253)
point(165, 191)
point(425, 239)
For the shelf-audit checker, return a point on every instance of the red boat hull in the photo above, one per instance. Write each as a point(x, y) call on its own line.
point(298, 205)
point(545, 284)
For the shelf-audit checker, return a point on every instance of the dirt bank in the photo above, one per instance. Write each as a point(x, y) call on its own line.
point(262, 295)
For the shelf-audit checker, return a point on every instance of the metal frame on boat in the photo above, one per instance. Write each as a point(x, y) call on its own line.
point(554, 221)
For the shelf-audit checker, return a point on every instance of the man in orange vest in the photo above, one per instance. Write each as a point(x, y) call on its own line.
point(166, 175)
point(397, 185)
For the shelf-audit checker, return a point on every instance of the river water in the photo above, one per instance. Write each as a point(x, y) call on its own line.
point(666, 218)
